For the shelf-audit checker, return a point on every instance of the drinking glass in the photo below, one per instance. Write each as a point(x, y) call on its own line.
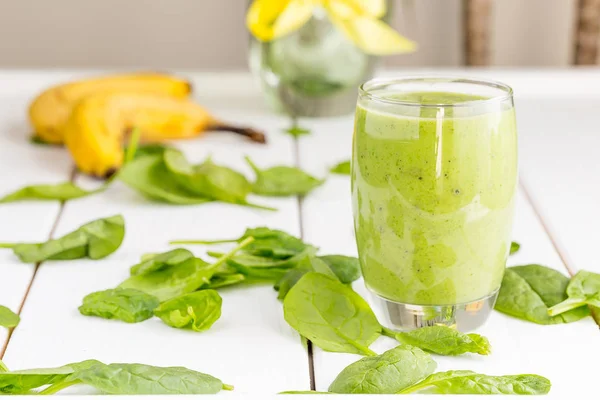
point(434, 177)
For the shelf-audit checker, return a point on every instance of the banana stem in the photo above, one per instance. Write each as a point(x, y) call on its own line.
point(252, 134)
point(7, 245)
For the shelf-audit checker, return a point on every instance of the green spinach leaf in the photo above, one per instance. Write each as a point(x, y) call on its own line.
point(297, 131)
point(61, 191)
point(219, 281)
point(514, 247)
point(583, 289)
point(207, 179)
point(146, 379)
point(288, 280)
point(173, 281)
point(388, 373)
point(304, 266)
point(8, 318)
point(149, 176)
point(343, 268)
point(342, 168)
point(469, 382)
point(179, 279)
point(444, 340)
point(157, 262)
point(151, 149)
point(21, 382)
point(198, 310)
point(282, 181)
point(331, 315)
point(528, 291)
point(128, 305)
point(95, 240)
point(347, 269)
point(269, 243)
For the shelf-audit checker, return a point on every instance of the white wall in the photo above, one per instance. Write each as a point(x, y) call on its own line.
point(210, 34)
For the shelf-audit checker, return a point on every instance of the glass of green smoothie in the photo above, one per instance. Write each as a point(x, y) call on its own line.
point(434, 178)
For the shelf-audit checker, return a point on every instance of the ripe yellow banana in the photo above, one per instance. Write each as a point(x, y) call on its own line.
point(51, 109)
point(94, 133)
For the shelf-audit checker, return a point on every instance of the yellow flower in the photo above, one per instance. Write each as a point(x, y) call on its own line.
point(359, 20)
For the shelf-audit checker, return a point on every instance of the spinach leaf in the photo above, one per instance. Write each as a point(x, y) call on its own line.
point(198, 310)
point(8, 319)
point(583, 289)
point(128, 305)
point(157, 262)
point(149, 176)
point(95, 240)
point(388, 373)
point(173, 281)
point(182, 278)
point(343, 268)
point(207, 179)
point(347, 269)
point(219, 281)
point(244, 260)
point(61, 191)
point(270, 243)
point(528, 291)
point(21, 382)
point(146, 379)
point(469, 382)
point(306, 265)
point(271, 269)
point(288, 280)
point(297, 131)
point(331, 315)
point(514, 247)
point(151, 149)
point(342, 168)
point(282, 181)
point(443, 340)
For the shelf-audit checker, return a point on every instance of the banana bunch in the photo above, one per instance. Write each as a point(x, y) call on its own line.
point(92, 117)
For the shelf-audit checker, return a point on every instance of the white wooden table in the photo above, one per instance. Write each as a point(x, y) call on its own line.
point(251, 346)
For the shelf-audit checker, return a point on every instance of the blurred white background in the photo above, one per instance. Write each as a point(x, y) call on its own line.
point(211, 34)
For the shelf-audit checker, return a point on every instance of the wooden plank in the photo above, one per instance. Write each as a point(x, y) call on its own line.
point(519, 346)
point(560, 159)
point(23, 164)
point(250, 347)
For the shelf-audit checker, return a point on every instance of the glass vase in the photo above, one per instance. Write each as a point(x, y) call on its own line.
point(312, 72)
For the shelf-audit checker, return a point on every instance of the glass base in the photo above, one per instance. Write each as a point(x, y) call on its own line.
point(464, 317)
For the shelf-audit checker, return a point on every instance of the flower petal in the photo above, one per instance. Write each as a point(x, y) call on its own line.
point(271, 19)
point(374, 36)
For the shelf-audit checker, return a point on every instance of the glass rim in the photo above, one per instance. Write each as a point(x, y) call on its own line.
point(367, 88)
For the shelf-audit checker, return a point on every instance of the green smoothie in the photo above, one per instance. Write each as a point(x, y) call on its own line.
point(433, 195)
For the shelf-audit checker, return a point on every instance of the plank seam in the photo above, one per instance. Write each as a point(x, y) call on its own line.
point(36, 268)
point(300, 202)
point(572, 270)
point(555, 243)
